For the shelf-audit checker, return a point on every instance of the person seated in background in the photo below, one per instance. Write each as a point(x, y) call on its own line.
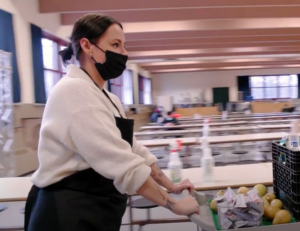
point(286, 108)
point(174, 114)
point(170, 120)
point(155, 115)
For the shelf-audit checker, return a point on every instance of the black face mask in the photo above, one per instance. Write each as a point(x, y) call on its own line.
point(114, 65)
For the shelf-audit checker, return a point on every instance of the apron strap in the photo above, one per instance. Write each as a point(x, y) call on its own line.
point(104, 92)
point(112, 102)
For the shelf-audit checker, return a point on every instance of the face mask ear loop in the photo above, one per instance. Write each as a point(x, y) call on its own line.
point(92, 58)
point(98, 47)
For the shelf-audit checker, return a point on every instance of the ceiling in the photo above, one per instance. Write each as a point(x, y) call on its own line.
point(199, 35)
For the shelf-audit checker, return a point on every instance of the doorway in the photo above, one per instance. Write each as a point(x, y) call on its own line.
point(221, 95)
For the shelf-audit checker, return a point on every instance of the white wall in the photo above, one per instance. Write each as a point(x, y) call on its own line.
point(26, 12)
point(191, 82)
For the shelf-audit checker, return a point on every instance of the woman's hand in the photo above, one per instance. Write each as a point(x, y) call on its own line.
point(186, 206)
point(186, 184)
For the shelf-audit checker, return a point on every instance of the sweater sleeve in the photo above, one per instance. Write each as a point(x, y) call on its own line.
point(96, 138)
point(143, 152)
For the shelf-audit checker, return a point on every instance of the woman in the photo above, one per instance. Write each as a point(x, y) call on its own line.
point(155, 115)
point(88, 157)
point(170, 119)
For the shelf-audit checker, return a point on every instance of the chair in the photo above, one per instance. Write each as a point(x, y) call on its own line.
point(239, 151)
point(2, 207)
point(143, 203)
point(185, 154)
point(244, 162)
point(224, 150)
point(215, 150)
point(265, 149)
point(158, 152)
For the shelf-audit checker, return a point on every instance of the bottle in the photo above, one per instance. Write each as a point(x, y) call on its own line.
point(293, 138)
point(205, 129)
point(207, 162)
point(175, 164)
point(224, 115)
point(197, 116)
point(248, 108)
point(295, 127)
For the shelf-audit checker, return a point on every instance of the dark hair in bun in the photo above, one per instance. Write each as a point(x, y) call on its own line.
point(67, 53)
point(91, 27)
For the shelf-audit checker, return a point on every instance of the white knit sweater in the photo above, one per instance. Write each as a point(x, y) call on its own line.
point(78, 131)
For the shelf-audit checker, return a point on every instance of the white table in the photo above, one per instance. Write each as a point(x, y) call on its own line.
point(14, 188)
point(12, 218)
point(14, 191)
point(280, 114)
point(192, 121)
point(219, 124)
point(194, 132)
point(216, 139)
point(17, 188)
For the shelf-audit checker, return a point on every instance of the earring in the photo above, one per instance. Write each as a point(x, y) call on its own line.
point(90, 54)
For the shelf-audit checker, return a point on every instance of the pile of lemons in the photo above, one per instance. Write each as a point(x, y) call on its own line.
point(272, 207)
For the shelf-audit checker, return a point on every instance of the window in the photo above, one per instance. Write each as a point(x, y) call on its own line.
point(54, 69)
point(145, 90)
point(274, 87)
point(127, 87)
point(123, 87)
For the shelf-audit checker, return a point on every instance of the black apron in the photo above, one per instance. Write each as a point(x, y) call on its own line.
point(84, 201)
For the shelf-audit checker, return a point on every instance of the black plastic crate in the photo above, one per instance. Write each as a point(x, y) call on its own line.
point(286, 178)
point(296, 197)
point(288, 203)
point(296, 214)
point(286, 157)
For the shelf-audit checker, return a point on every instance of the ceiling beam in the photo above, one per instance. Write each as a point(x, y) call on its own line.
point(139, 59)
point(189, 35)
point(224, 68)
point(192, 14)
point(202, 28)
point(218, 65)
point(212, 33)
point(179, 53)
point(213, 45)
point(229, 24)
point(180, 41)
point(47, 6)
point(222, 60)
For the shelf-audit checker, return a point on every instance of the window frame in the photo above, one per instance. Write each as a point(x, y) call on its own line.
point(132, 86)
point(141, 82)
point(278, 87)
point(120, 95)
point(60, 43)
point(58, 61)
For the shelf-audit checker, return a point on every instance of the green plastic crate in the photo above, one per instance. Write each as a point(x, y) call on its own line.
point(215, 218)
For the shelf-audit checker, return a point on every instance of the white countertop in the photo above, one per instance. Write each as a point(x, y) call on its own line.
point(216, 139)
point(217, 129)
point(243, 115)
point(17, 188)
point(190, 121)
point(221, 123)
